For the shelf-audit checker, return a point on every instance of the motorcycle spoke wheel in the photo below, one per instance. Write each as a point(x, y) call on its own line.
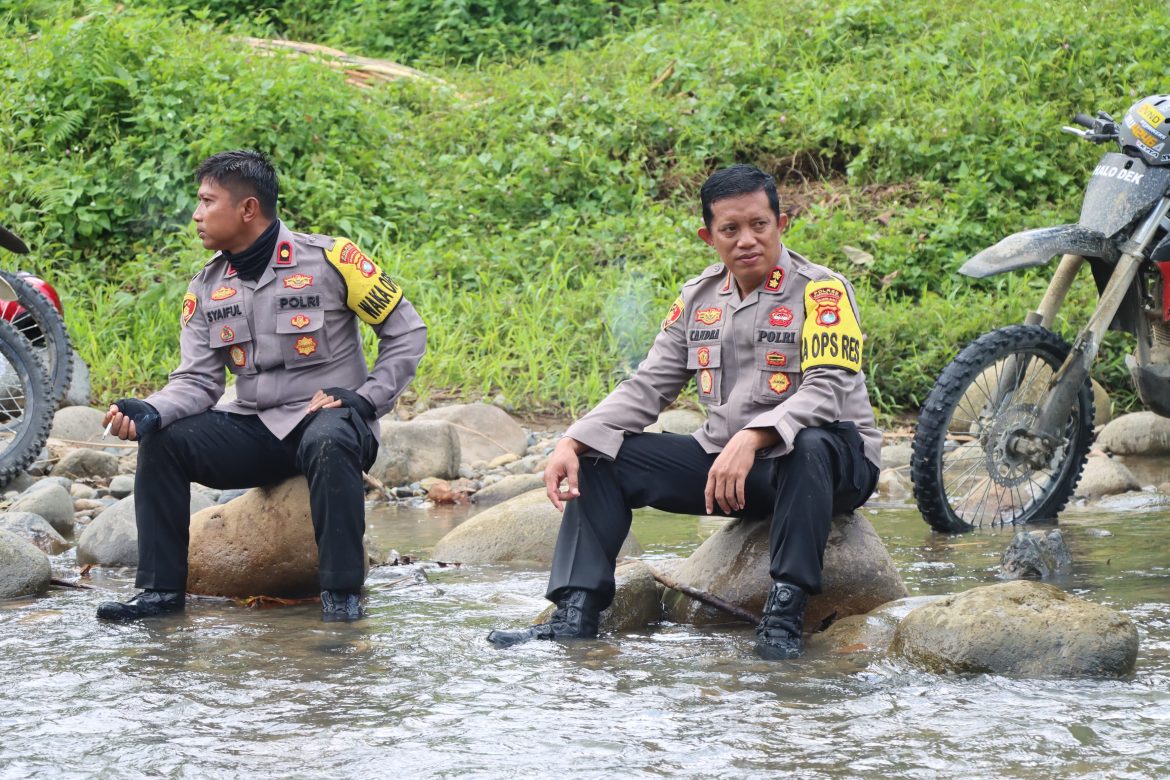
point(44, 328)
point(26, 410)
point(974, 463)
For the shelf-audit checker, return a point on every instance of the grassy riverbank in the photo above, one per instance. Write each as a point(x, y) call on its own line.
point(540, 204)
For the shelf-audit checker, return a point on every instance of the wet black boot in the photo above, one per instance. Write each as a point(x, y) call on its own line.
point(148, 603)
point(575, 617)
point(341, 606)
point(779, 634)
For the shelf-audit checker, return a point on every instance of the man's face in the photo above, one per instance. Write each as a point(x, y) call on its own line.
point(219, 219)
point(746, 234)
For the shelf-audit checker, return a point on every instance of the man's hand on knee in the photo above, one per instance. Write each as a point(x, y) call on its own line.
point(728, 474)
point(563, 465)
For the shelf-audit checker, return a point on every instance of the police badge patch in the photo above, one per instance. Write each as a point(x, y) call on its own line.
point(190, 303)
point(676, 310)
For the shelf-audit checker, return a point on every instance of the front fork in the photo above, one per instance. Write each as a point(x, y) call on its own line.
point(1037, 445)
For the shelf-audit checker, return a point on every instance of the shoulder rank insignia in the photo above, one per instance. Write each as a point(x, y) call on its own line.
point(372, 295)
point(831, 335)
point(676, 310)
point(190, 302)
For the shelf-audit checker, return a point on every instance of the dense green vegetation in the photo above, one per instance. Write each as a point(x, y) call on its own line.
point(540, 207)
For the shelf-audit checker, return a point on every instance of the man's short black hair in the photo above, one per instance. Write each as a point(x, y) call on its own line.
point(733, 182)
point(243, 173)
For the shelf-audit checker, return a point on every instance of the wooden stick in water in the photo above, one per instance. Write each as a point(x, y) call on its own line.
point(706, 598)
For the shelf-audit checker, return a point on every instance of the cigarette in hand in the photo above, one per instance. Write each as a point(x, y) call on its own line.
point(106, 432)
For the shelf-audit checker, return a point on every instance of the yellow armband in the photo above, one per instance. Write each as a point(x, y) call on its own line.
point(831, 335)
point(372, 295)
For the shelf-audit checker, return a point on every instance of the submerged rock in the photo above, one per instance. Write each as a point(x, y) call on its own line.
point(1020, 628)
point(1037, 554)
point(858, 573)
point(520, 530)
point(485, 432)
point(112, 538)
point(24, 570)
point(260, 544)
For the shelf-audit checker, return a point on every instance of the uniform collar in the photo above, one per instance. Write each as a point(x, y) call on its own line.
point(284, 255)
point(774, 283)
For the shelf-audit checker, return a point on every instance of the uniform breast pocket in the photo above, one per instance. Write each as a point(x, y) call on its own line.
point(777, 373)
point(704, 360)
point(233, 338)
point(302, 337)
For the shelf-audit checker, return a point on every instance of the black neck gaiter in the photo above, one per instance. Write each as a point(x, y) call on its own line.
point(250, 263)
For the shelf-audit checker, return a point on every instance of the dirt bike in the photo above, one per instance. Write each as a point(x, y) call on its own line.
point(26, 400)
point(1004, 434)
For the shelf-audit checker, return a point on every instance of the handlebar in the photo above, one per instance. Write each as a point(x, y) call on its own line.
point(1100, 128)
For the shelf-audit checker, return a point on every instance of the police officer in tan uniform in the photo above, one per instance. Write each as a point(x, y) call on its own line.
point(279, 310)
point(774, 345)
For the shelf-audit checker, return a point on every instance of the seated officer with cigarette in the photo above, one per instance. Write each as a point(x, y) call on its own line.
point(775, 346)
point(280, 310)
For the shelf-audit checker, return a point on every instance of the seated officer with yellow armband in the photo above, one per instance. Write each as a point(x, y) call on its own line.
point(774, 345)
point(279, 310)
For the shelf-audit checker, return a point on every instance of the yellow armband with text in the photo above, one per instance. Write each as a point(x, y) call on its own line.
point(831, 334)
point(372, 295)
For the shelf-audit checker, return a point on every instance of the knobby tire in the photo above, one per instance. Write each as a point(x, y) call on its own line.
point(26, 409)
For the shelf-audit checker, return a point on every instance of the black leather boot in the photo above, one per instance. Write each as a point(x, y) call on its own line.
point(779, 634)
point(576, 617)
point(148, 603)
point(339, 606)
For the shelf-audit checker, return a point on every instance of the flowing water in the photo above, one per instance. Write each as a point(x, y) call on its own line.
point(415, 691)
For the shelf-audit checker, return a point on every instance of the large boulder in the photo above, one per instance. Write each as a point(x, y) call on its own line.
point(50, 501)
point(35, 529)
point(415, 450)
point(682, 421)
point(78, 423)
point(509, 487)
point(1020, 628)
point(24, 570)
point(1038, 554)
point(858, 573)
point(1140, 433)
point(260, 544)
point(485, 432)
point(522, 530)
point(1105, 476)
point(112, 538)
point(83, 463)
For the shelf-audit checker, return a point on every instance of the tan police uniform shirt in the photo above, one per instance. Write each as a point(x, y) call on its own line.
point(290, 333)
point(787, 357)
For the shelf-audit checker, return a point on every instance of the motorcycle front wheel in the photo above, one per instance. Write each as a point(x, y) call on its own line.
point(26, 406)
point(966, 466)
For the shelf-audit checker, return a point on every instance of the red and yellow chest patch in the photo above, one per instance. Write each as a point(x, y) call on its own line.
point(781, 317)
point(709, 316)
point(239, 357)
point(672, 315)
point(831, 335)
point(299, 321)
point(776, 359)
point(775, 279)
point(298, 281)
point(779, 383)
point(305, 345)
point(190, 303)
point(227, 334)
point(223, 293)
point(704, 356)
point(706, 381)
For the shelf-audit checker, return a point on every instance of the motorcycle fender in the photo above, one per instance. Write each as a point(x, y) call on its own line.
point(1036, 247)
point(6, 292)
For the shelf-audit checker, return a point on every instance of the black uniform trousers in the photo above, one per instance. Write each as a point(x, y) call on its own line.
point(331, 447)
point(825, 474)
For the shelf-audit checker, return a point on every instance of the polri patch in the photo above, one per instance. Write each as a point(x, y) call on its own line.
point(239, 356)
point(776, 359)
point(226, 334)
point(779, 383)
point(223, 293)
point(709, 316)
point(371, 294)
point(676, 310)
point(305, 345)
point(781, 317)
point(190, 303)
point(298, 281)
point(706, 381)
point(704, 356)
point(299, 321)
point(831, 335)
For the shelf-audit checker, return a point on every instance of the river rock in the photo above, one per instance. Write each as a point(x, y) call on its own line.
point(1139, 433)
point(416, 450)
point(1038, 554)
point(34, 529)
point(258, 544)
point(509, 487)
point(1102, 405)
point(521, 530)
point(85, 463)
point(485, 432)
point(894, 485)
point(681, 421)
point(1105, 476)
point(112, 538)
point(50, 501)
point(122, 485)
point(869, 633)
point(732, 564)
point(896, 456)
point(77, 423)
point(79, 391)
point(1020, 628)
point(637, 601)
point(24, 570)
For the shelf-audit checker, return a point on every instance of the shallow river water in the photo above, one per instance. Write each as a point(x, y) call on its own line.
point(415, 691)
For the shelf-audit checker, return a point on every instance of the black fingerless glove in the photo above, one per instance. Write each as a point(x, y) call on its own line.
point(145, 417)
point(350, 399)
